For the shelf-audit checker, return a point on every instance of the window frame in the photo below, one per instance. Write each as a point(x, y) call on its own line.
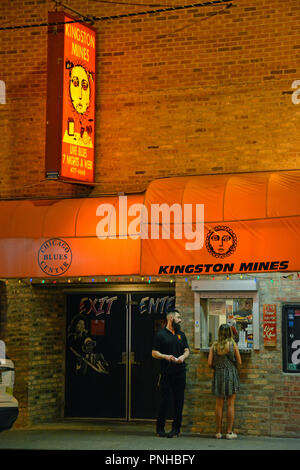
point(223, 290)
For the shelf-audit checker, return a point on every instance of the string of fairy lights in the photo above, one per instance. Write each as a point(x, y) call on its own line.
point(62, 282)
point(93, 19)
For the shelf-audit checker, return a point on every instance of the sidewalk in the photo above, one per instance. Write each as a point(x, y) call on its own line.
point(115, 436)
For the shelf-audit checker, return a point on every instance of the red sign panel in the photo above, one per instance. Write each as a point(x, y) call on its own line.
point(70, 100)
point(269, 325)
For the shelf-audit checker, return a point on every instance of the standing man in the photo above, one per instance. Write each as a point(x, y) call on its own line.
point(171, 347)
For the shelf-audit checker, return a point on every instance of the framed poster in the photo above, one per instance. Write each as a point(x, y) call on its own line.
point(291, 338)
point(70, 123)
point(269, 324)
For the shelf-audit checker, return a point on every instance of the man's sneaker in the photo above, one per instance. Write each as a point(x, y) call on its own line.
point(231, 435)
point(173, 433)
point(161, 433)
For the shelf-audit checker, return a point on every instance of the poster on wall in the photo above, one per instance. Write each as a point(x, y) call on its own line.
point(70, 130)
point(291, 338)
point(269, 325)
point(217, 307)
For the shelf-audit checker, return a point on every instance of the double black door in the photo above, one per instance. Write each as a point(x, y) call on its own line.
point(110, 372)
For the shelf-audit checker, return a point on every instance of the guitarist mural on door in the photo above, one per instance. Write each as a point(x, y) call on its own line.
point(81, 331)
point(95, 340)
point(83, 346)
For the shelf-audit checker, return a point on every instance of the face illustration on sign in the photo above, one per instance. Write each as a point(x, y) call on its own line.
point(80, 91)
point(221, 241)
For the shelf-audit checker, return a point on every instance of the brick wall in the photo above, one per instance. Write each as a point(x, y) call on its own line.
point(15, 332)
point(267, 401)
point(203, 90)
point(32, 326)
point(46, 354)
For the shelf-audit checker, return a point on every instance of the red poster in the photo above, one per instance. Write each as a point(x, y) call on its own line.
point(269, 325)
point(97, 327)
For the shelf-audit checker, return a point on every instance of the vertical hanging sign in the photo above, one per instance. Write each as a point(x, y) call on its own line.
point(70, 135)
point(269, 325)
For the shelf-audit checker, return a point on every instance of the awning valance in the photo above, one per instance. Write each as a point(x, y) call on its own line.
point(59, 238)
point(251, 224)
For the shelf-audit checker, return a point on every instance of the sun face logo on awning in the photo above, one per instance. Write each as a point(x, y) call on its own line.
point(221, 241)
point(54, 257)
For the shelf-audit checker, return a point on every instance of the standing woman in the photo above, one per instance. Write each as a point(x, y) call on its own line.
point(224, 358)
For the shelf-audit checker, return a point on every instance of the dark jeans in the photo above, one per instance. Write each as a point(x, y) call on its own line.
point(173, 384)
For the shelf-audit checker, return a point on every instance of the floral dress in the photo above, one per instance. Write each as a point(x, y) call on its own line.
point(226, 380)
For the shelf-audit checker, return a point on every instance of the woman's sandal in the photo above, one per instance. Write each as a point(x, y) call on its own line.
point(219, 435)
point(231, 435)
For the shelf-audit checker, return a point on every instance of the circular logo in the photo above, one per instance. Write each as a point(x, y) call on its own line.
point(221, 241)
point(55, 257)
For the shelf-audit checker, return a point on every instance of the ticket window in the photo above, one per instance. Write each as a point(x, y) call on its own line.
point(236, 312)
point(238, 309)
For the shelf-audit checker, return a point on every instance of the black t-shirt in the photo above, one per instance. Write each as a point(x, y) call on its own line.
point(167, 343)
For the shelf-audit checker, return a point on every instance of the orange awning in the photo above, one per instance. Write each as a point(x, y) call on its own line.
point(59, 238)
point(251, 224)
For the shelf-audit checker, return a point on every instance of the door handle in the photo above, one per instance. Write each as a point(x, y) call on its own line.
point(123, 362)
point(133, 361)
